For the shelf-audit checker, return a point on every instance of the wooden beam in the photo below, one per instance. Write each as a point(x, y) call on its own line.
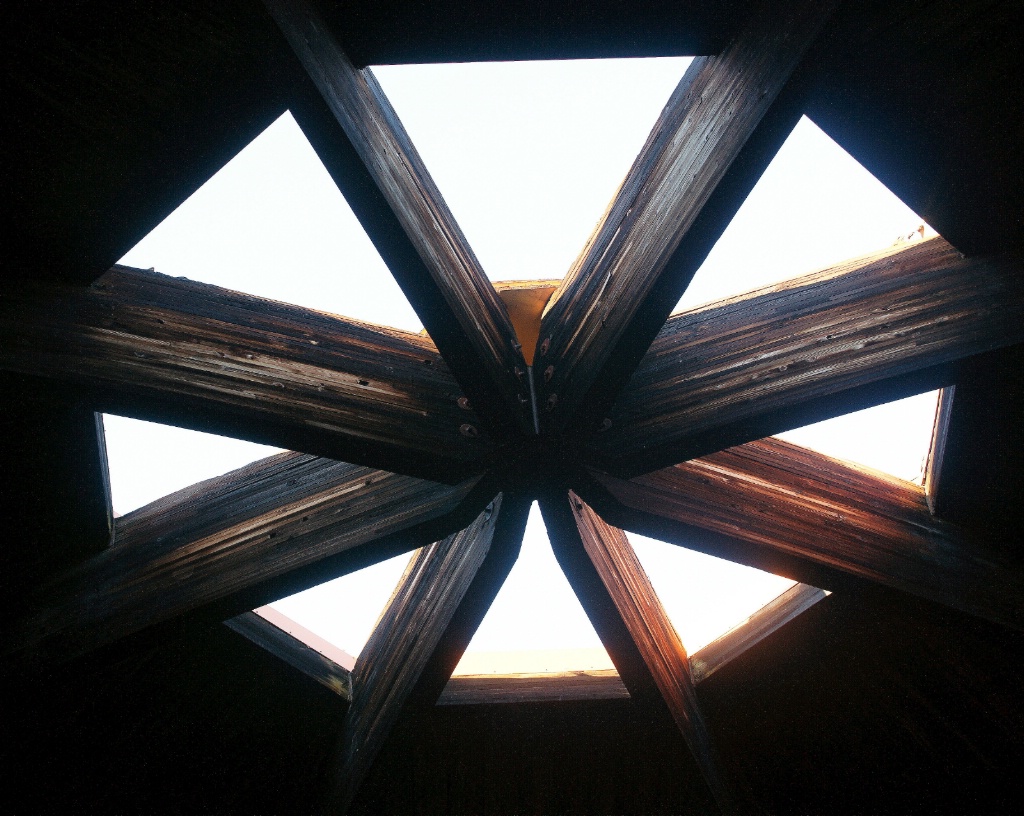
point(163, 348)
point(792, 511)
point(811, 348)
point(236, 542)
point(620, 601)
point(441, 599)
point(768, 619)
point(409, 221)
point(312, 663)
point(488, 689)
point(704, 154)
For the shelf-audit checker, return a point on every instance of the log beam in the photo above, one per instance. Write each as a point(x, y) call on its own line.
point(792, 511)
point(419, 639)
point(235, 542)
point(804, 350)
point(162, 348)
point(718, 131)
point(621, 603)
point(405, 215)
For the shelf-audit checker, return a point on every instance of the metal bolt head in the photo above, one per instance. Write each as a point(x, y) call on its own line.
point(605, 424)
point(463, 403)
point(544, 346)
point(549, 372)
point(469, 430)
point(552, 402)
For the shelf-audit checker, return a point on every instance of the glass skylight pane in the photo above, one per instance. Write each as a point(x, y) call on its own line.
point(704, 596)
point(148, 461)
point(273, 223)
point(528, 154)
point(814, 206)
point(893, 438)
point(344, 611)
point(536, 623)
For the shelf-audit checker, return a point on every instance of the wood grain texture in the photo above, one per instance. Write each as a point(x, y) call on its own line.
point(784, 355)
point(488, 689)
point(716, 108)
point(411, 630)
point(448, 289)
point(242, 539)
point(617, 595)
point(787, 506)
point(161, 348)
point(768, 619)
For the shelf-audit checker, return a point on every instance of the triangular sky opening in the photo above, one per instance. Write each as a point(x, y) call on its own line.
point(528, 154)
point(345, 611)
point(894, 438)
point(704, 596)
point(536, 624)
point(148, 461)
point(272, 223)
point(813, 207)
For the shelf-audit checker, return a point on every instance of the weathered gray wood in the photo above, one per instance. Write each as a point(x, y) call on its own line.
point(163, 348)
point(785, 355)
point(786, 507)
point(294, 652)
point(768, 619)
point(241, 539)
point(619, 599)
point(623, 283)
point(439, 580)
point(488, 689)
point(447, 287)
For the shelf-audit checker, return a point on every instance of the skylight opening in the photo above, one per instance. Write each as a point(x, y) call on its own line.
point(273, 223)
point(704, 596)
point(536, 624)
point(185, 457)
point(528, 154)
point(814, 206)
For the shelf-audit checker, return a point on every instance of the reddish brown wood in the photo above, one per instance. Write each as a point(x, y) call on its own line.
point(241, 539)
point(608, 294)
point(790, 508)
point(415, 632)
point(448, 289)
point(620, 601)
point(164, 348)
point(785, 355)
point(488, 689)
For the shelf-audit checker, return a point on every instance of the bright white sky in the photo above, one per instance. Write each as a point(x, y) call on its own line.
point(527, 155)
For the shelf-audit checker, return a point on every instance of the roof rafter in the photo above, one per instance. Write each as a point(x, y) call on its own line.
point(162, 348)
point(624, 609)
point(724, 121)
point(419, 638)
point(789, 510)
point(235, 542)
point(783, 356)
point(362, 140)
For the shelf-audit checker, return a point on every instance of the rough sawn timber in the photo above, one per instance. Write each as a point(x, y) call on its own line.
point(167, 349)
point(627, 279)
point(442, 277)
point(803, 350)
point(404, 648)
point(236, 542)
point(792, 511)
point(618, 597)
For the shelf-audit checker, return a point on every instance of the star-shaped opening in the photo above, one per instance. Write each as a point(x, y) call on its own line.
point(623, 418)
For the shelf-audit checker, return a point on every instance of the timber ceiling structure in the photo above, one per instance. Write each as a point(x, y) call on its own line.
point(899, 692)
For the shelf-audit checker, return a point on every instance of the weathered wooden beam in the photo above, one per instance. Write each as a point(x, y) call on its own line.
point(806, 349)
point(620, 601)
point(315, 665)
point(705, 153)
point(768, 619)
point(409, 221)
point(236, 542)
point(163, 348)
point(488, 689)
point(792, 511)
point(442, 597)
